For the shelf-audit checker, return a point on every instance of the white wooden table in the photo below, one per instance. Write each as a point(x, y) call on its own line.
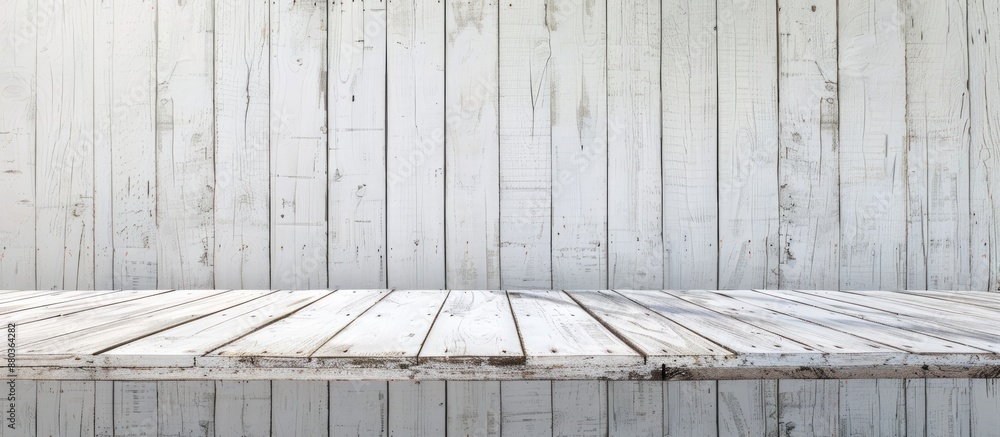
point(497, 335)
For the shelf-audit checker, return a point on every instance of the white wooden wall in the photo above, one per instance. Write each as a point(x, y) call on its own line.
point(785, 408)
point(478, 144)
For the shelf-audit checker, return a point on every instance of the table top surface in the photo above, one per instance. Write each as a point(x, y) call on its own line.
point(505, 335)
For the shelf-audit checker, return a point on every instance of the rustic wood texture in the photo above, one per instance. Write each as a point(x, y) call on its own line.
point(984, 85)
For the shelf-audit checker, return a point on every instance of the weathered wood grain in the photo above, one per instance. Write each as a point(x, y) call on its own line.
point(415, 162)
point(748, 408)
point(131, 75)
point(635, 408)
point(580, 408)
point(359, 408)
point(104, 409)
point(873, 407)
point(525, 147)
point(984, 405)
point(298, 150)
point(635, 176)
point(472, 177)
point(689, 86)
point(185, 408)
point(872, 74)
point(475, 326)
point(300, 408)
point(242, 186)
point(526, 408)
point(948, 410)
point(64, 147)
point(135, 410)
point(937, 156)
point(104, 232)
point(185, 136)
point(690, 408)
point(808, 145)
point(356, 87)
point(579, 134)
point(808, 408)
point(748, 144)
point(18, 63)
point(417, 408)
point(65, 408)
point(984, 86)
point(473, 408)
point(916, 406)
point(242, 408)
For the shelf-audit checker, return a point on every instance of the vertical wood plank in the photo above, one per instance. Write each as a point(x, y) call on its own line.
point(472, 155)
point(525, 148)
point(948, 411)
point(300, 408)
point(359, 408)
point(985, 407)
point(808, 407)
point(635, 190)
point(937, 158)
point(242, 408)
point(65, 408)
point(635, 408)
point(64, 153)
point(185, 139)
point(748, 408)
point(984, 178)
point(690, 408)
point(580, 408)
point(25, 408)
point(132, 133)
point(748, 144)
point(808, 135)
point(417, 408)
point(104, 409)
point(872, 145)
point(579, 120)
point(104, 233)
point(135, 412)
point(242, 191)
point(357, 44)
point(415, 116)
point(185, 408)
point(19, 31)
point(473, 408)
point(298, 154)
point(526, 408)
point(689, 81)
point(874, 407)
point(916, 406)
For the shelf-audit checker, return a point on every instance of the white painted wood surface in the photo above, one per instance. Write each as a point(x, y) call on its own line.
point(300, 408)
point(580, 408)
point(472, 177)
point(808, 408)
point(526, 177)
point(808, 145)
point(526, 408)
point(65, 408)
point(948, 410)
point(243, 408)
point(417, 408)
point(185, 408)
point(635, 197)
point(356, 88)
point(984, 153)
point(473, 408)
point(690, 408)
point(242, 141)
point(748, 144)
point(578, 91)
point(689, 86)
point(748, 408)
point(635, 408)
point(359, 408)
point(415, 161)
point(474, 325)
point(64, 146)
point(874, 407)
point(298, 144)
point(135, 410)
point(185, 138)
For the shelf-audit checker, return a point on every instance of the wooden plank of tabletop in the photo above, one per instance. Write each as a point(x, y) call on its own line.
point(12, 295)
point(870, 310)
point(97, 304)
point(302, 333)
point(48, 299)
point(983, 320)
point(646, 330)
point(392, 329)
point(819, 337)
point(128, 327)
point(913, 300)
point(207, 333)
point(901, 338)
point(990, 300)
point(555, 330)
point(474, 325)
point(733, 334)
